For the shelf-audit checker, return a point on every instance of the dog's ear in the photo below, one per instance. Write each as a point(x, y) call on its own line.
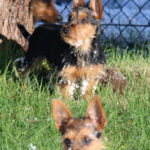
point(96, 113)
point(97, 9)
point(61, 114)
point(77, 3)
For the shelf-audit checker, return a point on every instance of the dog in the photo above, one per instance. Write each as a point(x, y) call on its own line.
point(73, 50)
point(80, 133)
point(44, 10)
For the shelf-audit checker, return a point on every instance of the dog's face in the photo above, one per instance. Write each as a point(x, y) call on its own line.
point(82, 23)
point(81, 133)
point(45, 11)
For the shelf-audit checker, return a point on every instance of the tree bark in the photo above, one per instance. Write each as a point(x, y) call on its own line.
point(11, 13)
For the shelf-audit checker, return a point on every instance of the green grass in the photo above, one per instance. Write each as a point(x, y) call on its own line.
point(25, 108)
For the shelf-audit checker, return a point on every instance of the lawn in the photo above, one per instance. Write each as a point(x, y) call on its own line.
point(26, 121)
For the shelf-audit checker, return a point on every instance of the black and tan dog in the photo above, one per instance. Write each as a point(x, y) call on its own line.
point(72, 50)
point(80, 133)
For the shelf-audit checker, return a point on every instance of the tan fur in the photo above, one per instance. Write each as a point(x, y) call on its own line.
point(65, 88)
point(80, 35)
point(60, 111)
point(89, 89)
point(76, 130)
point(78, 135)
point(44, 11)
point(90, 73)
point(96, 6)
point(77, 3)
point(96, 111)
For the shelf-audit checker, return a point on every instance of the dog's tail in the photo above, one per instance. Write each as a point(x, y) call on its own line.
point(23, 31)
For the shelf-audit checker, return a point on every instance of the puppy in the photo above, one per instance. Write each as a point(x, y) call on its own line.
point(80, 133)
point(73, 50)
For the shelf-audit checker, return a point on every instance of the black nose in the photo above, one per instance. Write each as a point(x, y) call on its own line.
point(65, 30)
point(59, 18)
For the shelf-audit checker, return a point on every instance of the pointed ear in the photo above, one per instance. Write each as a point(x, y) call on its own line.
point(96, 113)
point(77, 3)
point(61, 114)
point(96, 7)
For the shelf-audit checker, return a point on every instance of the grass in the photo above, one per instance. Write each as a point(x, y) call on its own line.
point(25, 107)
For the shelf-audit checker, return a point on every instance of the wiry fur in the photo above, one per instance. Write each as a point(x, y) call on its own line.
point(73, 50)
point(81, 133)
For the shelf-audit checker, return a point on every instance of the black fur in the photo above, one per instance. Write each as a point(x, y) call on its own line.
point(88, 11)
point(46, 42)
point(23, 31)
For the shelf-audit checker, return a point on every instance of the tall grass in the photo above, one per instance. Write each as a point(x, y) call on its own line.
point(25, 107)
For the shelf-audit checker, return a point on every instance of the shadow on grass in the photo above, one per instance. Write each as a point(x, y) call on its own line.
point(9, 50)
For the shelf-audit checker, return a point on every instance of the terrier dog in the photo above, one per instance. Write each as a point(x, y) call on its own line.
point(81, 133)
point(45, 11)
point(72, 50)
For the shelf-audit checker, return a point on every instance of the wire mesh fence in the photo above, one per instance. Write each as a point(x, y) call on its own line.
point(124, 21)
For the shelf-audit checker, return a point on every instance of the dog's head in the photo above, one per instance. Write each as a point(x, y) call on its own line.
point(82, 24)
point(45, 10)
point(81, 133)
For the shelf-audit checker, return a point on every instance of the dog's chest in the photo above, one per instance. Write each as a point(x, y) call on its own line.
point(79, 67)
point(84, 78)
point(76, 73)
point(81, 72)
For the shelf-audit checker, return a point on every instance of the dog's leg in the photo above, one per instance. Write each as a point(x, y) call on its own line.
point(88, 87)
point(67, 89)
point(23, 67)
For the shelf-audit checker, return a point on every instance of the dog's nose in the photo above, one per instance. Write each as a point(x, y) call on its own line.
point(65, 30)
point(59, 18)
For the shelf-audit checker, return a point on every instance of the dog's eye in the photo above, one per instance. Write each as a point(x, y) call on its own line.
point(86, 140)
point(67, 142)
point(83, 21)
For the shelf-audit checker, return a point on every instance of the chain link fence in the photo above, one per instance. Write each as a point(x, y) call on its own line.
point(124, 21)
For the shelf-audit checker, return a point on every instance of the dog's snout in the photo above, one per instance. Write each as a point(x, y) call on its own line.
point(65, 30)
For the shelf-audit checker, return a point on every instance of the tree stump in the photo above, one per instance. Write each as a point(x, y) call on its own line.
point(11, 13)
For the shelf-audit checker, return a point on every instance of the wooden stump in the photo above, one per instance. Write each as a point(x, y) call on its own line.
point(11, 13)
